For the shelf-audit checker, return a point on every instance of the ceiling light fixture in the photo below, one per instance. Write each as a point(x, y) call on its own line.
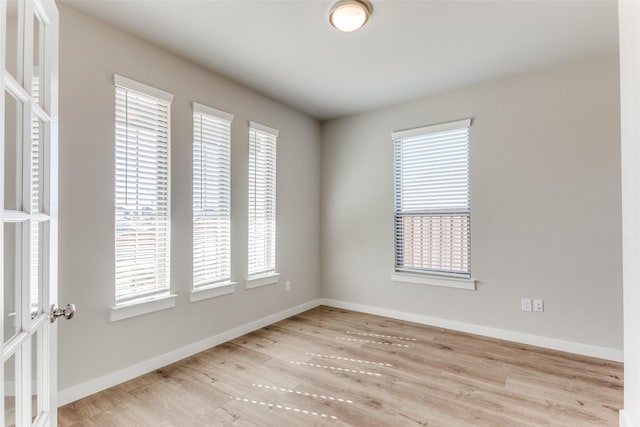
point(349, 15)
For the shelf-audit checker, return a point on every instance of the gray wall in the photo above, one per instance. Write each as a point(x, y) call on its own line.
point(545, 200)
point(629, 18)
point(90, 346)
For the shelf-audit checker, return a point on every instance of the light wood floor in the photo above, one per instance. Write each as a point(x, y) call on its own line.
point(332, 367)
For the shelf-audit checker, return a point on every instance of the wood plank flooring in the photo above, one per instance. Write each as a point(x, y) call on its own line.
point(333, 367)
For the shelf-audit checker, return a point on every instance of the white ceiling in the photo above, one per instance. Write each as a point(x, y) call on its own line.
point(288, 51)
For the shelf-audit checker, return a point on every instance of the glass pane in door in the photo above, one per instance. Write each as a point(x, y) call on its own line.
point(36, 267)
point(36, 240)
point(37, 82)
point(13, 57)
point(12, 273)
point(10, 392)
point(37, 134)
point(36, 375)
point(12, 152)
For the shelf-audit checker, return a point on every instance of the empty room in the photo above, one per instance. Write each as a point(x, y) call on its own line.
point(320, 212)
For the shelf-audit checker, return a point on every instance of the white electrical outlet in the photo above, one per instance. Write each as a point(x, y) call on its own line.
point(538, 305)
point(287, 285)
point(526, 304)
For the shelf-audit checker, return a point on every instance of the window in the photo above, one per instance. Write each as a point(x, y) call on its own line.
point(211, 197)
point(432, 209)
point(142, 202)
point(262, 204)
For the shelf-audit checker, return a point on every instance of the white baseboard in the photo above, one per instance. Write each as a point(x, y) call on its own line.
point(625, 421)
point(10, 387)
point(519, 337)
point(79, 391)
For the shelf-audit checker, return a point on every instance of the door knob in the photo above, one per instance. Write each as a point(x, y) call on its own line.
point(68, 311)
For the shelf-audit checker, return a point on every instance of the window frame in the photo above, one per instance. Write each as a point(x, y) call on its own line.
point(201, 113)
point(161, 298)
point(435, 277)
point(268, 136)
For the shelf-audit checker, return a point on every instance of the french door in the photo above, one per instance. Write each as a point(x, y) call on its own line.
point(29, 132)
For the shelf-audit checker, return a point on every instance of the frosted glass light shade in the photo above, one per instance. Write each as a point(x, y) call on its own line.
point(349, 15)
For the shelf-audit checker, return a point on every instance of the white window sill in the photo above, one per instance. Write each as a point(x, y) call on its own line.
point(138, 308)
point(256, 282)
point(213, 291)
point(434, 280)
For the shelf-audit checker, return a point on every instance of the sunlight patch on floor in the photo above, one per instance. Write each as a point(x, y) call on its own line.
point(303, 393)
point(366, 334)
point(336, 368)
point(373, 342)
point(286, 408)
point(348, 359)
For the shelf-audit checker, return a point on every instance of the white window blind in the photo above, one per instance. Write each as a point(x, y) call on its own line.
point(211, 196)
point(262, 200)
point(142, 198)
point(35, 195)
point(432, 209)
